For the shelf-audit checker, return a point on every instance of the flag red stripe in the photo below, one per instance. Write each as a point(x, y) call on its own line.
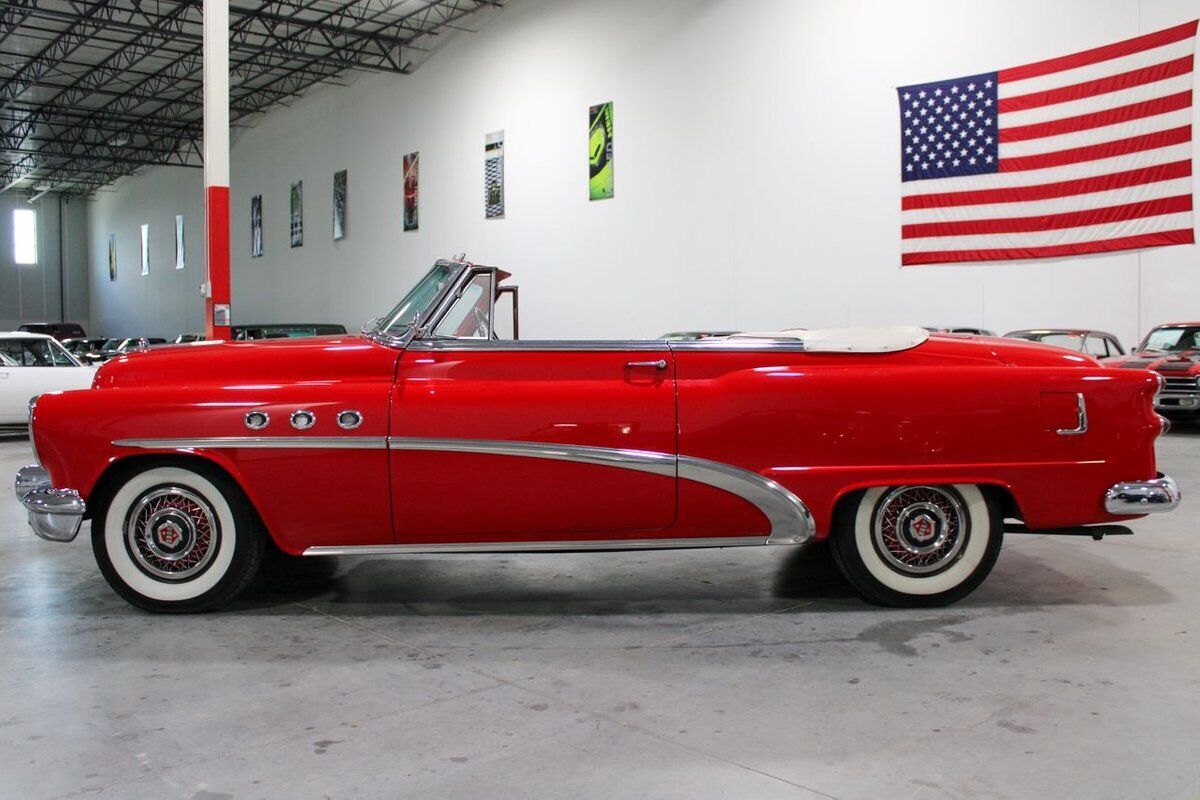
point(1096, 55)
point(1047, 191)
point(1112, 116)
point(1184, 236)
point(1050, 222)
point(1113, 83)
point(1120, 147)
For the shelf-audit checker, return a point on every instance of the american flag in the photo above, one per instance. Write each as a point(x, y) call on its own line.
point(1085, 153)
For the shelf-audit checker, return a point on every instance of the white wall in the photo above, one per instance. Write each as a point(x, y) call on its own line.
point(756, 150)
point(45, 291)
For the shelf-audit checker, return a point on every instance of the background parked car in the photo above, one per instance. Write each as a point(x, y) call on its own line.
point(694, 336)
point(286, 330)
point(79, 346)
point(1081, 340)
point(30, 364)
point(115, 347)
point(1173, 351)
point(188, 338)
point(59, 330)
point(960, 329)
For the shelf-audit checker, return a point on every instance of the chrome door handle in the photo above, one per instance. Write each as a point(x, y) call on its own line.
point(660, 364)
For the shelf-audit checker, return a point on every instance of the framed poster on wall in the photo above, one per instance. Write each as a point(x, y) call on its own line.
point(256, 232)
point(339, 205)
point(296, 216)
point(493, 175)
point(112, 256)
point(145, 249)
point(600, 151)
point(412, 186)
point(179, 241)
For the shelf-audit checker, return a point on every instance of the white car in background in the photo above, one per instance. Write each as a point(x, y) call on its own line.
point(30, 364)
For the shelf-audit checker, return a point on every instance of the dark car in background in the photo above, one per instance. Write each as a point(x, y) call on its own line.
point(81, 346)
point(59, 330)
point(1081, 340)
point(286, 330)
point(115, 347)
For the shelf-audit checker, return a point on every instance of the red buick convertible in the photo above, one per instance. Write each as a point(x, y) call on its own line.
point(430, 433)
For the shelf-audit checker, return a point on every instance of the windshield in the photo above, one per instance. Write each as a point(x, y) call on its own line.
point(416, 302)
point(1173, 338)
point(1066, 339)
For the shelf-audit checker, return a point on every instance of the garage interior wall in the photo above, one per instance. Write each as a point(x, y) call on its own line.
point(756, 180)
point(54, 289)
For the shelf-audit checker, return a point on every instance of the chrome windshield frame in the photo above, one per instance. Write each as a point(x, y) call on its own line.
point(380, 332)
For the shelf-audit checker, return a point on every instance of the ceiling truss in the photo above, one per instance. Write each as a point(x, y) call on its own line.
point(92, 90)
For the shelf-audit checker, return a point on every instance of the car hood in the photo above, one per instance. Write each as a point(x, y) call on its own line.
point(1187, 363)
point(318, 358)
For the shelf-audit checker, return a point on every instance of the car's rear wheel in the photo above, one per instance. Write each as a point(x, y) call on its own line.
point(917, 545)
point(175, 538)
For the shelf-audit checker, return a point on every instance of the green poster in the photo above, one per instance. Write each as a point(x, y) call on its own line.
point(600, 151)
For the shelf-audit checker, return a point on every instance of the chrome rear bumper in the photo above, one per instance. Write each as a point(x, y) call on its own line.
point(54, 514)
point(1143, 497)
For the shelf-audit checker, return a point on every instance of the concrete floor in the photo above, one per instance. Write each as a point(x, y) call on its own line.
point(1073, 672)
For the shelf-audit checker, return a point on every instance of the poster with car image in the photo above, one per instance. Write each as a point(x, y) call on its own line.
point(600, 151)
point(296, 216)
point(256, 231)
point(493, 175)
point(412, 179)
point(339, 205)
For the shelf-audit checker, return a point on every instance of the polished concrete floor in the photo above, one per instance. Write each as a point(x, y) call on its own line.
point(1073, 672)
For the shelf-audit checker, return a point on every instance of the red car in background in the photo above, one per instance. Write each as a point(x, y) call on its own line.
point(431, 433)
point(1172, 350)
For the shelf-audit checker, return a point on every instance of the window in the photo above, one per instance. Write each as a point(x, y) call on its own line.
point(1172, 339)
point(24, 235)
point(470, 316)
point(35, 353)
point(1096, 346)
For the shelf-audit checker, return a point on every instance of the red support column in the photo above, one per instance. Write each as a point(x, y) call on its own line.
point(216, 223)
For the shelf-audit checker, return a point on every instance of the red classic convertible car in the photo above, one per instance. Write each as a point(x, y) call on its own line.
point(909, 453)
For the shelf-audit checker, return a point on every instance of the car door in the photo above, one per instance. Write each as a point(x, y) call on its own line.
point(500, 441)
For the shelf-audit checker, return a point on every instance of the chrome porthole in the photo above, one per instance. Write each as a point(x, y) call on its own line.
point(303, 419)
point(257, 420)
point(172, 533)
point(349, 419)
point(920, 530)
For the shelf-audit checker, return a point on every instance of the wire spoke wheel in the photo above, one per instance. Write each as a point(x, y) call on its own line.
point(172, 533)
point(920, 530)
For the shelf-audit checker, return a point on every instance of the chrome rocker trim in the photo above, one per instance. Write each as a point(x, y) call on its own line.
point(534, 547)
point(791, 521)
point(279, 442)
point(1143, 497)
point(54, 514)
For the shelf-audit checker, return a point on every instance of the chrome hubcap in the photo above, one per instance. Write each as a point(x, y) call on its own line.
point(919, 530)
point(172, 533)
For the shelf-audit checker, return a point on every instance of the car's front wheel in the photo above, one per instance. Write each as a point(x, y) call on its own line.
point(917, 545)
point(175, 538)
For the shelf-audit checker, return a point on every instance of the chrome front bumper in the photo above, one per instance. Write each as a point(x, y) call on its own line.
point(54, 514)
point(1143, 497)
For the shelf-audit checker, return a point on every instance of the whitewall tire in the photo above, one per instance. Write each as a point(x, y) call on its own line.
point(177, 538)
point(918, 545)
